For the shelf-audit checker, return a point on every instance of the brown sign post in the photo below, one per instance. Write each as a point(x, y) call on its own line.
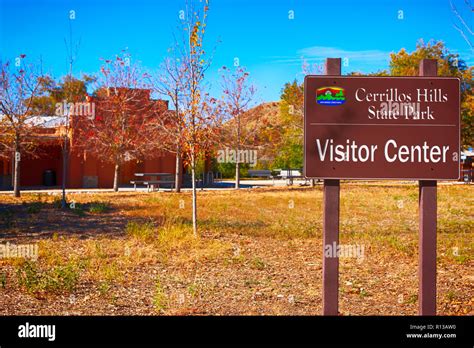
point(382, 128)
point(330, 223)
point(427, 202)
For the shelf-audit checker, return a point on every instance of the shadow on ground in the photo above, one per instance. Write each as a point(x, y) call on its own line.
point(39, 220)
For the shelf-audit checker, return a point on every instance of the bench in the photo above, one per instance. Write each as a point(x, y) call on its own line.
point(150, 180)
point(261, 174)
point(136, 182)
point(156, 183)
point(291, 174)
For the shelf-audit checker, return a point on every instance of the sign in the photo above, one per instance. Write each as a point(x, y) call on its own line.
point(382, 127)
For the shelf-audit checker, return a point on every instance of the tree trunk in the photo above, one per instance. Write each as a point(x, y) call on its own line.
point(177, 178)
point(63, 186)
point(116, 177)
point(237, 162)
point(193, 179)
point(237, 174)
point(16, 178)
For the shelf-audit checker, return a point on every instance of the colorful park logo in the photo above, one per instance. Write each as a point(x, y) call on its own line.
point(330, 96)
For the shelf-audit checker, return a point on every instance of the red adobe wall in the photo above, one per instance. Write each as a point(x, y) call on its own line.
point(76, 169)
point(32, 169)
point(87, 165)
point(80, 165)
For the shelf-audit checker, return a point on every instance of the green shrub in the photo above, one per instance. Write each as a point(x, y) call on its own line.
point(58, 279)
point(6, 218)
point(144, 231)
point(34, 208)
point(78, 210)
point(3, 280)
point(160, 300)
point(98, 207)
point(258, 263)
point(104, 288)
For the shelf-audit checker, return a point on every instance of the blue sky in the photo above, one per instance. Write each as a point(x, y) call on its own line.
point(259, 33)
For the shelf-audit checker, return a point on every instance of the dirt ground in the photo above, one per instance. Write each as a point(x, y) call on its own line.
point(259, 252)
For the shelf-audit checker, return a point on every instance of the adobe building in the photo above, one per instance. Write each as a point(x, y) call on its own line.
point(83, 169)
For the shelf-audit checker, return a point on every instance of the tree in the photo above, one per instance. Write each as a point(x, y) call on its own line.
point(69, 89)
point(404, 63)
point(238, 96)
point(19, 86)
point(290, 153)
point(170, 82)
point(292, 104)
point(125, 115)
point(200, 116)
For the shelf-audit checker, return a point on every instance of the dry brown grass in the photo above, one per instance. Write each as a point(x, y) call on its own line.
point(259, 252)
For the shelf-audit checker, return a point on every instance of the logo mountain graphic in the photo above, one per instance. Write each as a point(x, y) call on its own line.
point(330, 96)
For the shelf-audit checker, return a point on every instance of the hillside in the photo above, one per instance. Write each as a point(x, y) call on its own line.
point(263, 128)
